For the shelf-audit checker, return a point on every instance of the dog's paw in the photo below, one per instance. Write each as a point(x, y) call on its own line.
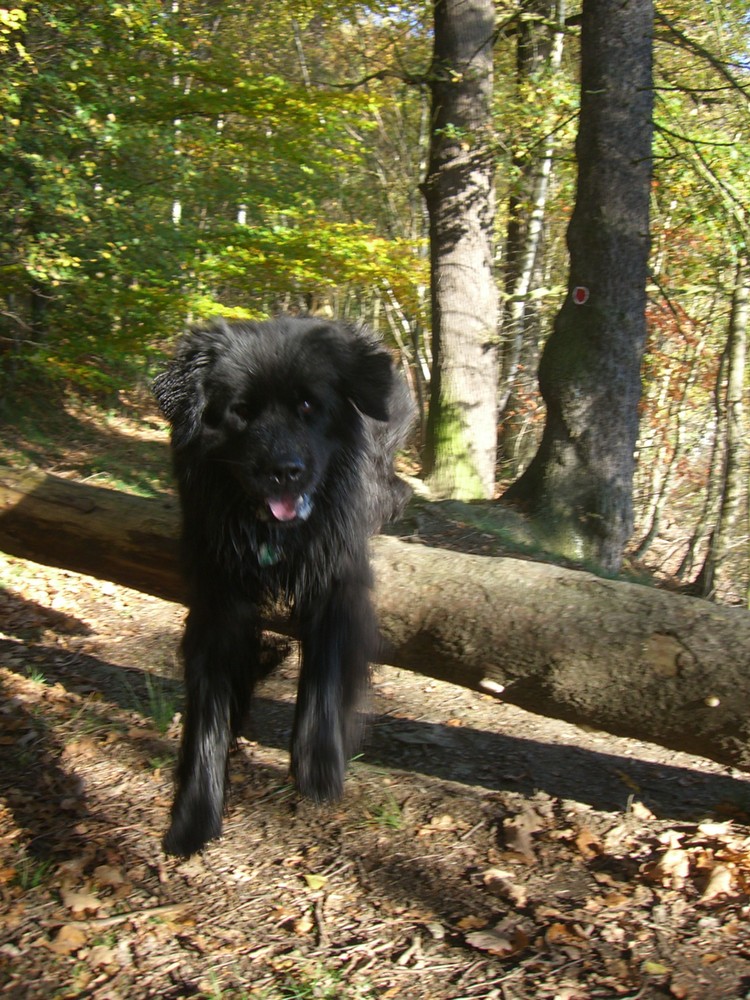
point(190, 832)
point(319, 776)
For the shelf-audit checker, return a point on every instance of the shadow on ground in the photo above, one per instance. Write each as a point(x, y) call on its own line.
point(494, 760)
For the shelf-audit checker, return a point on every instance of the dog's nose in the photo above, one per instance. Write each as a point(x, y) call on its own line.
point(288, 472)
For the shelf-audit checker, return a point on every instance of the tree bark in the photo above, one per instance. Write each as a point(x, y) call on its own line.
point(714, 575)
point(623, 657)
point(538, 52)
point(669, 454)
point(103, 533)
point(461, 443)
point(538, 58)
point(579, 484)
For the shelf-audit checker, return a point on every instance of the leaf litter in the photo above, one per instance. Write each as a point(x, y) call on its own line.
point(443, 874)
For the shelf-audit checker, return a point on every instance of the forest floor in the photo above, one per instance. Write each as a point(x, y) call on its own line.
point(479, 851)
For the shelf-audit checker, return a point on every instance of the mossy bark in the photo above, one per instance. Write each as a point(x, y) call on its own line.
point(455, 472)
point(460, 451)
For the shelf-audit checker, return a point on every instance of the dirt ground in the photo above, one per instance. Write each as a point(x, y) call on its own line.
point(479, 851)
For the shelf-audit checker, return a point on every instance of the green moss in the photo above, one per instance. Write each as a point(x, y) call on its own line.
point(454, 473)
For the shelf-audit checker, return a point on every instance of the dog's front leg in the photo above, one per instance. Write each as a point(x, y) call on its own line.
point(221, 653)
point(339, 636)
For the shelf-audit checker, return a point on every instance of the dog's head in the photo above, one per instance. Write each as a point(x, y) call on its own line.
point(273, 402)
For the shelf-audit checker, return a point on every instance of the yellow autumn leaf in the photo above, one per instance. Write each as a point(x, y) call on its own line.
point(315, 881)
point(655, 969)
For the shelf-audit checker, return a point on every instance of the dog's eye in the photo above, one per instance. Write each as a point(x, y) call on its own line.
point(241, 411)
point(305, 408)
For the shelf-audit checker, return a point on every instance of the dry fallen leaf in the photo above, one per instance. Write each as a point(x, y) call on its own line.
point(639, 811)
point(672, 868)
point(68, 940)
point(499, 942)
point(108, 875)
point(615, 899)
point(282, 914)
point(471, 923)
point(559, 935)
point(80, 902)
point(100, 955)
point(720, 883)
point(499, 885)
point(304, 925)
point(439, 824)
point(709, 829)
point(519, 830)
point(671, 838)
point(588, 844)
point(72, 870)
point(711, 957)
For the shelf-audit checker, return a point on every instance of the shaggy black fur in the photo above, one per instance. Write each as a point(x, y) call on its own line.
point(283, 437)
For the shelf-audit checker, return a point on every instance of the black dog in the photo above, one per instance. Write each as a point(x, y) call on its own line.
point(283, 437)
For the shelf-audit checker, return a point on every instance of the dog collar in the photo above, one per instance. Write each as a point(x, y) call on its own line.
point(269, 555)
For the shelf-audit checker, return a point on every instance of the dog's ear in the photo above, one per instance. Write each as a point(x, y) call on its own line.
point(180, 388)
point(364, 367)
point(370, 378)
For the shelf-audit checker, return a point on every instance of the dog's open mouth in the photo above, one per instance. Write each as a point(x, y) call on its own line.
point(290, 508)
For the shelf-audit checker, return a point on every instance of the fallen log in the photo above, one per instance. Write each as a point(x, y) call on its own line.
point(624, 657)
point(104, 533)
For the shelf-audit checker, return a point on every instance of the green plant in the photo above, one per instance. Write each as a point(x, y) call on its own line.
point(35, 674)
point(387, 813)
point(108, 939)
point(31, 872)
point(156, 763)
point(24, 759)
point(159, 705)
point(320, 983)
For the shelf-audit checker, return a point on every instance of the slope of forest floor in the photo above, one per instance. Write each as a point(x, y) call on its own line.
point(479, 852)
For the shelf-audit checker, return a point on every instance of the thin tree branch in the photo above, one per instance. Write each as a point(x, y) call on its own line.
point(697, 49)
point(691, 139)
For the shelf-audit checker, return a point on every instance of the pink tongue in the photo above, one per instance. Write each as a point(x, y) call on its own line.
point(283, 508)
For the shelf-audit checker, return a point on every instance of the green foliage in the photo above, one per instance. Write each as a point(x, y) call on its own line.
point(160, 165)
point(304, 251)
point(700, 229)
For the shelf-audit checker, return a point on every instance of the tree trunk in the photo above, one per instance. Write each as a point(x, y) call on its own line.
point(461, 431)
point(539, 51)
point(670, 453)
point(627, 658)
point(714, 576)
point(579, 484)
